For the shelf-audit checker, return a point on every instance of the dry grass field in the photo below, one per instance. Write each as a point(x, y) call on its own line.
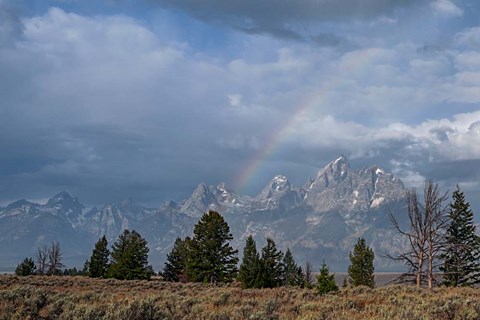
point(38, 297)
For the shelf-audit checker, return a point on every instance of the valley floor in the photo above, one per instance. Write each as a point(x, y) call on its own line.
point(38, 297)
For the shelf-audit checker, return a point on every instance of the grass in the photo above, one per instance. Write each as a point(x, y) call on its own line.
point(38, 297)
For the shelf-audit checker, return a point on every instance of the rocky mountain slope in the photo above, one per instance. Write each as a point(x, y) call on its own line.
point(319, 221)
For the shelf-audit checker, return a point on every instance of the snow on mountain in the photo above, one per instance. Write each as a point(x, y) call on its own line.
point(202, 200)
point(321, 220)
point(338, 187)
point(64, 204)
point(279, 194)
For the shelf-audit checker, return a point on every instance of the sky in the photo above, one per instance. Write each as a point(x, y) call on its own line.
point(146, 99)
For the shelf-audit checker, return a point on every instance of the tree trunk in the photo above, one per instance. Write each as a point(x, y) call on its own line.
point(419, 271)
point(430, 269)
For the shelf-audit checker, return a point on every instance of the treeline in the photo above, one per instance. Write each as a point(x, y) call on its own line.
point(441, 240)
point(209, 257)
point(127, 260)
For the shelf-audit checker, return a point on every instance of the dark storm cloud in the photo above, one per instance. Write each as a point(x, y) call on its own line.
point(284, 18)
point(102, 119)
point(101, 163)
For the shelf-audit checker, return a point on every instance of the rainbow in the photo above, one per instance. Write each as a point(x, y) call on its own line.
point(275, 139)
point(357, 64)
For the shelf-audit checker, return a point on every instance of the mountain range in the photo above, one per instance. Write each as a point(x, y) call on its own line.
point(319, 221)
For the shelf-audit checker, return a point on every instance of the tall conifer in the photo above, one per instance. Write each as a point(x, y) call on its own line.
point(98, 264)
point(292, 273)
point(271, 265)
point(249, 272)
point(461, 259)
point(174, 269)
point(130, 257)
point(210, 257)
point(361, 268)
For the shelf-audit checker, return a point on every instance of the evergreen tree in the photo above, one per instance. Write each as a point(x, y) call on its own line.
point(174, 269)
point(98, 265)
point(249, 272)
point(129, 257)
point(461, 259)
point(292, 273)
point(26, 268)
point(271, 266)
point(325, 280)
point(86, 268)
point(210, 256)
point(361, 268)
point(71, 272)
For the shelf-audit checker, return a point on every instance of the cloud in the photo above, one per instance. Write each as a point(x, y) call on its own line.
point(235, 99)
point(286, 19)
point(108, 109)
point(469, 38)
point(91, 98)
point(446, 7)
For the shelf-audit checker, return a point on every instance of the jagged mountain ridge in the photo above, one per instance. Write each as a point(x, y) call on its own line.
point(320, 220)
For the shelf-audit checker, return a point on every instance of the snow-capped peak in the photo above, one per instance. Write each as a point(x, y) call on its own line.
point(278, 184)
point(64, 201)
point(61, 196)
point(334, 172)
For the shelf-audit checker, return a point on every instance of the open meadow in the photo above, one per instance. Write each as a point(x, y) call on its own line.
point(37, 297)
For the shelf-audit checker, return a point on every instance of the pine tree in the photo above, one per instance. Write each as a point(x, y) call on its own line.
point(292, 273)
point(325, 280)
point(86, 268)
point(210, 256)
point(98, 265)
point(71, 272)
point(26, 268)
point(361, 268)
point(174, 269)
point(271, 266)
point(249, 272)
point(130, 257)
point(461, 259)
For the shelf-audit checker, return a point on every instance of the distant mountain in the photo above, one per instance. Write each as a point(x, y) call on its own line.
point(319, 221)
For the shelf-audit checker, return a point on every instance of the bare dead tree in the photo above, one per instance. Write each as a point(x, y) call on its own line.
point(54, 258)
point(436, 221)
point(415, 257)
point(425, 236)
point(42, 256)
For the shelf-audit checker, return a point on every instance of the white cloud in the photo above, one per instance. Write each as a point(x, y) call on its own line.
point(407, 147)
point(235, 99)
point(446, 7)
point(469, 38)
